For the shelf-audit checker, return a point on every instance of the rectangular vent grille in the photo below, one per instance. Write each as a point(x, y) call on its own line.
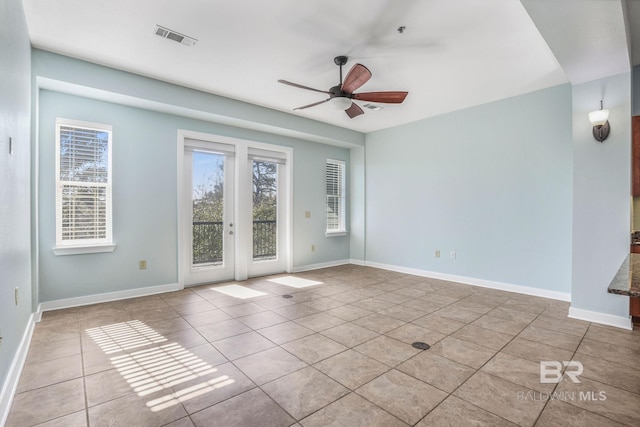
point(175, 36)
point(372, 107)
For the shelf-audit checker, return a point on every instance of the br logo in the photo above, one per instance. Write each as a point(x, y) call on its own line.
point(551, 371)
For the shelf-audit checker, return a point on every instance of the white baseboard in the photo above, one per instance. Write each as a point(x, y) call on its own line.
point(602, 318)
point(357, 262)
point(527, 290)
point(106, 297)
point(15, 370)
point(318, 266)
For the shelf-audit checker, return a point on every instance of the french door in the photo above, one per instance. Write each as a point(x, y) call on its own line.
point(234, 211)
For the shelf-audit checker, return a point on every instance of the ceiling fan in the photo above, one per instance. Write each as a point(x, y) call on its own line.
point(342, 94)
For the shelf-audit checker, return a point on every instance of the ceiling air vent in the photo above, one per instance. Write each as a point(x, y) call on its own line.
point(172, 35)
point(372, 107)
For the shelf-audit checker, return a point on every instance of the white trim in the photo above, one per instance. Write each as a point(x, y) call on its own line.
point(83, 249)
point(15, 370)
point(318, 266)
point(106, 297)
point(335, 233)
point(359, 262)
point(527, 290)
point(602, 318)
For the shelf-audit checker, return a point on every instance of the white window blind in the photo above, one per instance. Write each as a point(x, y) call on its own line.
point(335, 184)
point(83, 183)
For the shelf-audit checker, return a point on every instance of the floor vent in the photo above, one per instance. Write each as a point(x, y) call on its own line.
point(176, 37)
point(421, 345)
point(287, 296)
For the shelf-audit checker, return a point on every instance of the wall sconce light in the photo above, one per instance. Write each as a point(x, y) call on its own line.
point(600, 121)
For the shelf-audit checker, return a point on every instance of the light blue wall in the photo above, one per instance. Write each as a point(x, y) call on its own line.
point(145, 198)
point(492, 183)
point(601, 194)
point(15, 252)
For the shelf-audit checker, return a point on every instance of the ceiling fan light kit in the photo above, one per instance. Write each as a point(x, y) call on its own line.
point(342, 95)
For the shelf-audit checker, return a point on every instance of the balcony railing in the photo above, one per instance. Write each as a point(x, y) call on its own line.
point(208, 246)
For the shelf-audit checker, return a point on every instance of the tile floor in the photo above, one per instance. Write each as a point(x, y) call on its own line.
point(337, 353)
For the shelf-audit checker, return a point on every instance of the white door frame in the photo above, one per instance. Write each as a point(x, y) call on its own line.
point(242, 212)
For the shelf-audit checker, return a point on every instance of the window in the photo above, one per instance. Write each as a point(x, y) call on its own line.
point(336, 225)
point(83, 187)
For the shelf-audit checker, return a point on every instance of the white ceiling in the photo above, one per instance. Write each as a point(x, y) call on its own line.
point(453, 54)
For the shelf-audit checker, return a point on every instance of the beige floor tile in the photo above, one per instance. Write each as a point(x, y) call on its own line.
point(40, 374)
point(297, 311)
point(324, 303)
point(454, 412)
point(206, 317)
point(133, 410)
point(561, 414)
point(622, 338)
point(223, 329)
point(473, 304)
point(351, 369)
point(77, 419)
point(379, 322)
point(411, 333)
point(611, 373)
point(187, 338)
point(403, 396)
point(46, 403)
point(242, 345)
point(349, 312)
point(210, 386)
point(424, 304)
point(517, 370)
point(262, 320)
point(313, 348)
point(535, 351)
point(349, 334)
point(522, 304)
point(509, 327)
point(482, 336)
point(40, 351)
point(320, 321)
point(387, 350)
point(607, 401)
point(285, 332)
point(404, 313)
point(105, 386)
point(458, 313)
point(241, 310)
point(269, 365)
point(461, 351)
point(193, 307)
point(512, 314)
point(373, 304)
point(182, 422)
point(353, 411)
point(566, 325)
point(304, 392)
point(500, 397)
point(253, 408)
point(611, 352)
point(438, 371)
point(552, 338)
point(437, 323)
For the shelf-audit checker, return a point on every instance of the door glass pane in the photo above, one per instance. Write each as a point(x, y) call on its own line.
point(208, 202)
point(265, 209)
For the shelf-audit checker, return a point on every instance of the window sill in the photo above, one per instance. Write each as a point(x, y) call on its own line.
point(335, 233)
point(83, 249)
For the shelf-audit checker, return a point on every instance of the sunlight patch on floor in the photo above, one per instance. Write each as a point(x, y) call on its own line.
point(294, 282)
point(238, 291)
point(157, 367)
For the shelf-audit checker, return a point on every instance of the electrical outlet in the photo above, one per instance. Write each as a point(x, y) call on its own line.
point(437, 254)
point(452, 255)
point(0, 337)
point(313, 248)
point(142, 264)
point(15, 294)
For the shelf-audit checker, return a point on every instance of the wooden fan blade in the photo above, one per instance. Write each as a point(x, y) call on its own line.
point(354, 110)
point(312, 105)
point(384, 97)
point(356, 77)
point(303, 87)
